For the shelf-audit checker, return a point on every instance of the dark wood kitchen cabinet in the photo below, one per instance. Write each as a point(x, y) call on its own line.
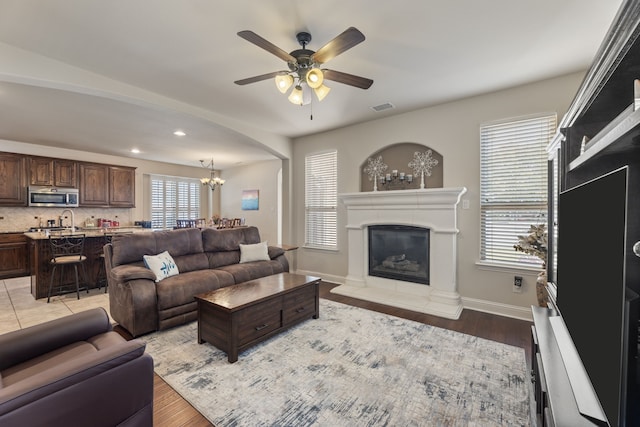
point(94, 184)
point(54, 172)
point(13, 180)
point(14, 255)
point(107, 186)
point(122, 186)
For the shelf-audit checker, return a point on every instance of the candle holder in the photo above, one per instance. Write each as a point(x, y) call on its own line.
point(395, 180)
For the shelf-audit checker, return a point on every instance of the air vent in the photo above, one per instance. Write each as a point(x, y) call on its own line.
point(382, 107)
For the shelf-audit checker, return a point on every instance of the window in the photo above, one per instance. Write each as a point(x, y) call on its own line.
point(321, 196)
point(513, 186)
point(173, 198)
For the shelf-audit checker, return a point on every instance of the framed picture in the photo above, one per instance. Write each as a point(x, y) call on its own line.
point(250, 200)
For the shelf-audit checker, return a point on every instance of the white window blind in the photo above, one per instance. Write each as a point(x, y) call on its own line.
point(513, 185)
point(321, 197)
point(173, 198)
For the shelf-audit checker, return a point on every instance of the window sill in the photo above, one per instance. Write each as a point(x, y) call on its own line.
point(318, 248)
point(507, 268)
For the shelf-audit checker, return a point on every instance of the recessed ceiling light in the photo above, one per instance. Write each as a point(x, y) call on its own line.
point(135, 150)
point(179, 133)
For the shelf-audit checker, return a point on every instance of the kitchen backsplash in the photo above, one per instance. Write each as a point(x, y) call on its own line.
point(21, 219)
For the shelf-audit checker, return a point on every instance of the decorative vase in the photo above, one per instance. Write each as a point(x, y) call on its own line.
point(541, 289)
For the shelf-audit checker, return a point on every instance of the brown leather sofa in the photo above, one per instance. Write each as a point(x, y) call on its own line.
point(74, 371)
point(207, 259)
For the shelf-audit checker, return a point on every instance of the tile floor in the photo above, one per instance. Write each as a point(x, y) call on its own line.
point(18, 308)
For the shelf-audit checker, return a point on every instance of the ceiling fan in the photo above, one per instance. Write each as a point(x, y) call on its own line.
point(304, 65)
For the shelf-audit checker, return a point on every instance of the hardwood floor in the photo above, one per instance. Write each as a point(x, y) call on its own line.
point(171, 410)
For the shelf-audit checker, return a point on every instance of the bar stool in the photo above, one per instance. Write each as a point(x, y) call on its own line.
point(102, 276)
point(67, 250)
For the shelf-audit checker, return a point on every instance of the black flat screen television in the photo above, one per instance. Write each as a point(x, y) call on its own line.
point(591, 283)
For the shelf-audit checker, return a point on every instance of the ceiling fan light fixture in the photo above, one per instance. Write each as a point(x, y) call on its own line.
point(314, 78)
point(283, 82)
point(296, 95)
point(322, 91)
point(304, 73)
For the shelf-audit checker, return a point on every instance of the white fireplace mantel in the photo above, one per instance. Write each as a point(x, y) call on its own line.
point(435, 209)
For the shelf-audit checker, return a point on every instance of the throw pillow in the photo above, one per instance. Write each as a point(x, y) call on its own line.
point(255, 252)
point(162, 265)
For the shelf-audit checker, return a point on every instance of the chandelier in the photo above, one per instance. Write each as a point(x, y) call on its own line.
point(212, 181)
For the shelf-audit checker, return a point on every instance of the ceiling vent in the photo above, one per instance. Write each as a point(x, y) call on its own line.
point(382, 107)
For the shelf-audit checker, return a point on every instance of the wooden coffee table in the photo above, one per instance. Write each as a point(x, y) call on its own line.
point(239, 316)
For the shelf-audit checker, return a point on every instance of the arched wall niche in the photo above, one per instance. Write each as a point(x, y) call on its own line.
point(397, 157)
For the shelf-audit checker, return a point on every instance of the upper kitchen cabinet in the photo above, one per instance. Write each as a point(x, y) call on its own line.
point(106, 186)
point(54, 172)
point(94, 184)
point(13, 180)
point(122, 186)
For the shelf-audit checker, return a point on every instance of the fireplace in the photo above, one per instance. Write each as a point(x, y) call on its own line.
point(399, 252)
point(431, 210)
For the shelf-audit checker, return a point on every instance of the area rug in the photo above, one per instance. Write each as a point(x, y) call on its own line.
point(350, 367)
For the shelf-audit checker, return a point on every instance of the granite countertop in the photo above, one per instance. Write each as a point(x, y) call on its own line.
point(88, 232)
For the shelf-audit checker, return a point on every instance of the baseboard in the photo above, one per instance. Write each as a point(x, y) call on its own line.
point(513, 311)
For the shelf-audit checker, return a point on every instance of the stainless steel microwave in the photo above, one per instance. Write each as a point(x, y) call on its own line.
point(53, 197)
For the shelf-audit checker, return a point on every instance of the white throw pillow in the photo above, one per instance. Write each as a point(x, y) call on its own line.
point(162, 265)
point(256, 252)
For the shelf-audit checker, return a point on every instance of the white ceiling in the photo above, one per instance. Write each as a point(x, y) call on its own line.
point(106, 76)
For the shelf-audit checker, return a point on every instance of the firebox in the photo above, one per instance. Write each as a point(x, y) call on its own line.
point(399, 252)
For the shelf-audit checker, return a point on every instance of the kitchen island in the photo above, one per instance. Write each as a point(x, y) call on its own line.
point(40, 254)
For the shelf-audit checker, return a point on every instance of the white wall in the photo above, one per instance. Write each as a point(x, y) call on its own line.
point(453, 130)
point(261, 176)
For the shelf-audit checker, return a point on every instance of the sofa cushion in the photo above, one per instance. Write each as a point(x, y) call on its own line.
point(254, 252)
point(162, 265)
point(192, 262)
point(184, 241)
point(220, 259)
point(252, 270)
point(228, 239)
point(52, 359)
point(178, 290)
point(131, 247)
point(49, 360)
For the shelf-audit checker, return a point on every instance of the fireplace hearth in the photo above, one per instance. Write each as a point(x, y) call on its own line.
point(399, 252)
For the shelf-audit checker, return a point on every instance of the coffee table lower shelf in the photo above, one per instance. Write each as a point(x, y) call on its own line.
point(239, 316)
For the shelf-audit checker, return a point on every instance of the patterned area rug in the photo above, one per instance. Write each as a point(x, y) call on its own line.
point(351, 367)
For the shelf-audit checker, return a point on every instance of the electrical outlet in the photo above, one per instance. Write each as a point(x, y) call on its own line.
point(517, 284)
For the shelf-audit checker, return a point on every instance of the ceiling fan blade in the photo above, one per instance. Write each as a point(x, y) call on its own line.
point(258, 78)
point(348, 39)
point(252, 37)
point(347, 79)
